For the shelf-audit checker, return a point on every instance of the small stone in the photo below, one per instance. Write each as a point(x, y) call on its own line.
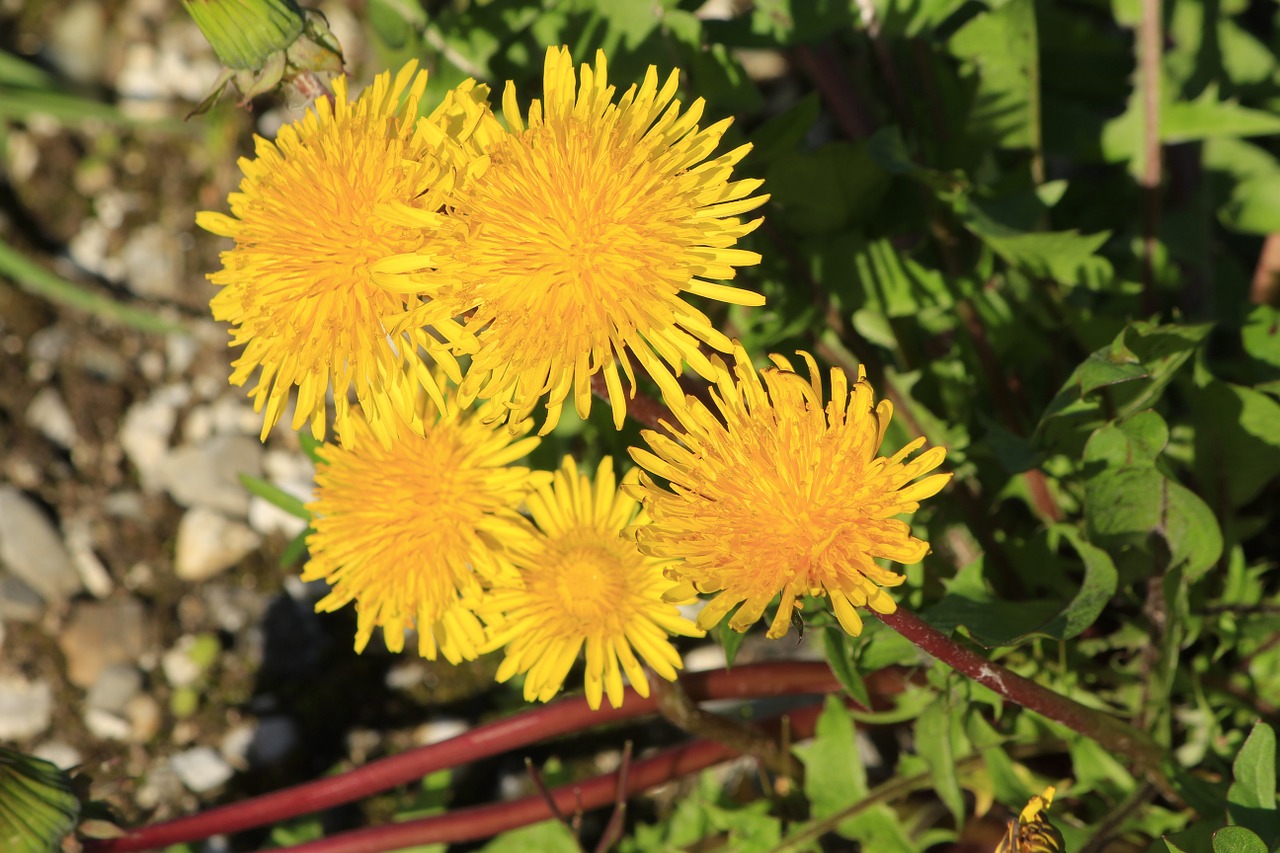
point(274, 738)
point(235, 745)
point(145, 433)
point(210, 543)
point(94, 575)
point(144, 715)
point(32, 549)
point(114, 687)
point(49, 414)
point(26, 707)
point(208, 474)
point(161, 785)
point(18, 601)
point(106, 725)
point(189, 658)
point(101, 633)
point(201, 769)
point(439, 730)
point(56, 752)
point(152, 261)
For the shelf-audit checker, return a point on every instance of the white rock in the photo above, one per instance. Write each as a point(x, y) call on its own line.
point(32, 550)
point(436, 731)
point(153, 263)
point(235, 745)
point(145, 433)
point(93, 573)
point(18, 601)
point(201, 768)
point(77, 46)
point(208, 474)
point(180, 670)
point(145, 716)
point(26, 708)
point(106, 725)
point(49, 414)
point(210, 543)
point(56, 752)
point(114, 687)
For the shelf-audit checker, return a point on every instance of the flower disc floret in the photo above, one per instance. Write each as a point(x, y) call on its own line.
point(579, 583)
point(776, 492)
point(579, 239)
point(318, 216)
point(414, 532)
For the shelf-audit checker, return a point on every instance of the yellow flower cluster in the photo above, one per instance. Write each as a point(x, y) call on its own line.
point(441, 275)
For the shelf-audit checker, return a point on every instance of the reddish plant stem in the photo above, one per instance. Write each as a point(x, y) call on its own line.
point(484, 821)
point(1150, 53)
point(640, 406)
point(548, 721)
point(1116, 735)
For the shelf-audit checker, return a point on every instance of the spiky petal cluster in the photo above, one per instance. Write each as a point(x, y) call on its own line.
point(776, 492)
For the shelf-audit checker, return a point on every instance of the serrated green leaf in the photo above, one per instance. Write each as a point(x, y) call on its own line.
point(1001, 45)
point(1067, 257)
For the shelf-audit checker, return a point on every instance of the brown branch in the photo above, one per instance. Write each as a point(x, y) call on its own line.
point(1150, 51)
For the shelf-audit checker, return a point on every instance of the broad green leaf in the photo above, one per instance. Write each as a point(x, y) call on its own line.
point(895, 284)
point(1195, 839)
point(934, 743)
point(1192, 531)
point(1237, 839)
point(38, 807)
point(1001, 46)
point(1066, 257)
point(1105, 368)
point(550, 836)
point(1136, 440)
point(825, 191)
point(1237, 441)
point(1261, 334)
point(912, 18)
point(1251, 799)
point(1009, 786)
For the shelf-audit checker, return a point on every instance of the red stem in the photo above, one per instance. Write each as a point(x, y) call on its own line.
point(484, 821)
point(562, 717)
point(1115, 734)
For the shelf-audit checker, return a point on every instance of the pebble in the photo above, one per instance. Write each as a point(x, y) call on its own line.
point(18, 601)
point(101, 633)
point(210, 543)
point(273, 740)
point(208, 474)
point(106, 725)
point(145, 716)
point(152, 261)
point(201, 768)
point(32, 549)
point(77, 43)
point(190, 656)
point(26, 707)
point(114, 687)
point(94, 575)
point(235, 744)
point(146, 430)
point(48, 413)
point(57, 752)
point(439, 730)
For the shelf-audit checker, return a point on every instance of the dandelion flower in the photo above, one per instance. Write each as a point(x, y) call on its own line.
point(775, 492)
point(577, 242)
point(413, 532)
point(1032, 832)
point(580, 582)
point(318, 214)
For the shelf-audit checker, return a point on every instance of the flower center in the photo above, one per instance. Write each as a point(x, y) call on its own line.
point(585, 578)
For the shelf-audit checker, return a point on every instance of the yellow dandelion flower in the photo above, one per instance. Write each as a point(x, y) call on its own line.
point(576, 242)
point(1031, 831)
point(319, 213)
point(414, 531)
point(580, 582)
point(775, 492)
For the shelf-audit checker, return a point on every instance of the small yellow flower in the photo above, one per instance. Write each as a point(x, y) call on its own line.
point(775, 492)
point(413, 532)
point(580, 582)
point(578, 240)
point(1032, 832)
point(317, 221)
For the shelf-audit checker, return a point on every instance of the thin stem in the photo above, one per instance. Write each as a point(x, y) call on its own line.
point(485, 821)
point(1150, 50)
point(613, 829)
point(532, 726)
point(1116, 735)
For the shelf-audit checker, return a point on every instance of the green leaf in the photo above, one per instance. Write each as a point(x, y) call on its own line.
point(550, 836)
point(1192, 531)
point(934, 743)
point(1136, 440)
point(730, 641)
point(1251, 799)
point(1067, 257)
point(1237, 839)
point(835, 644)
point(1001, 46)
point(825, 191)
point(38, 806)
point(895, 285)
point(1237, 440)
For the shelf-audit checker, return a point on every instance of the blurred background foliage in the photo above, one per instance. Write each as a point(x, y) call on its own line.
point(964, 200)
